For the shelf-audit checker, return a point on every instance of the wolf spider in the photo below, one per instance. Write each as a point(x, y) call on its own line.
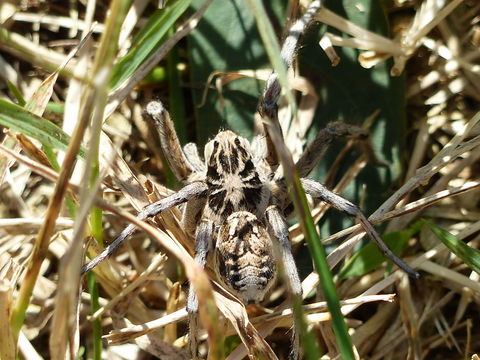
point(237, 200)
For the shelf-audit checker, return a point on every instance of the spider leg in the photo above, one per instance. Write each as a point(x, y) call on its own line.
point(169, 140)
point(192, 214)
point(193, 158)
point(203, 245)
point(314, 152)
point(267, 107)
point(193, 190)
point(278, 229)
point(318, 191)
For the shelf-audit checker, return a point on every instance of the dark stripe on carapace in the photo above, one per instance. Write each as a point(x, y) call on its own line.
point(212, 173)
point(224, 162)
point(212, 187)
point(211, 161)
point(241, 148)
point(247, 169)
point(252, 197)
point(215, 201)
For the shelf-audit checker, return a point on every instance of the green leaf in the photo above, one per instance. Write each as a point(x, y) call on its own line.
point(231, 342)
point(148, 39)
point(369, 257)
point(18, 119)
point(469, 255)
point(351, 93)
point(227, 39)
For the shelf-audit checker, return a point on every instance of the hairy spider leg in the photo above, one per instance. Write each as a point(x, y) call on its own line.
point(169, 141)
point(319, 191)
point(203, 245)
point(278, 229)
point(190, 191)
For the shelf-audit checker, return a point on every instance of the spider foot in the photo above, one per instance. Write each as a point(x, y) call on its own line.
point(295, 352)
point(193, 336)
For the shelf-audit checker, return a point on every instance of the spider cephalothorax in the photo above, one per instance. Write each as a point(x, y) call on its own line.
point(233, 179)
point(236, 201)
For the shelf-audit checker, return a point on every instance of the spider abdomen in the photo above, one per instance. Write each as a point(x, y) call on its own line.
point(244, 260)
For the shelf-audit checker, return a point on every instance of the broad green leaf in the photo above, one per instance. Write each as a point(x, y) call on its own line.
point(148, 39)
point(18, 119)
point(227, 39)
point(350, 93)
point(369, 257)
point(469, 255)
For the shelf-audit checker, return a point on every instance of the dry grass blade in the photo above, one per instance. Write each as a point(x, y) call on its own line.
point(39, 100)
point(31, 224)
point(46, 230)
point(29, 51)
point(8, 347)
point(410, 317)
point(234, 311)
point(450, 275)
point(322, 306)
point(150, 344)
point(65, 331)
point(129, 333)
point(158, 260)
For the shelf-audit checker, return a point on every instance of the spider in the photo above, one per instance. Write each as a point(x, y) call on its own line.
point(236, 200)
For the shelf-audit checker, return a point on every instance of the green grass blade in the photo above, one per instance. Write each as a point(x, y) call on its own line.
point(149, 38)
point(18, 95)
point(17, 118)
point(319, 257)
point(469, 255)
point(103, 66)
point(96, 324)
